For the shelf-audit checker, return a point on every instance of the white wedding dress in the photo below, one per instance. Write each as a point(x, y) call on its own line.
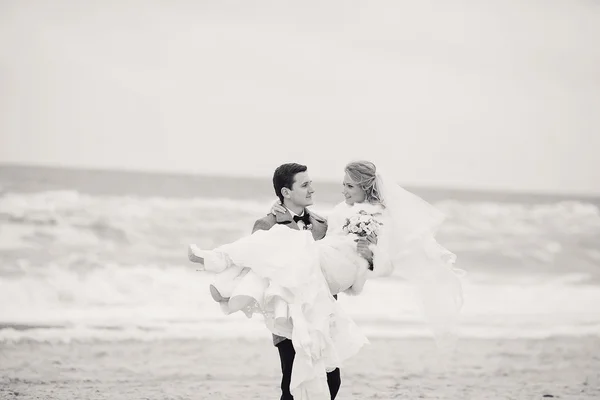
point(289, 278)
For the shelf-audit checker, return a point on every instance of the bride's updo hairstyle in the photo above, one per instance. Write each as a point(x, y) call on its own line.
point(363, 174)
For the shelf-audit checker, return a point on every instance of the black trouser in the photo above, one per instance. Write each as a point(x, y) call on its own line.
point(287, 354)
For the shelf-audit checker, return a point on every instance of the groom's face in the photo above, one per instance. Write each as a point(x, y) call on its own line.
point(302, 190)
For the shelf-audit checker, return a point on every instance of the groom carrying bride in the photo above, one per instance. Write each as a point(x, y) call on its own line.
point(289, 270)
point(293, 186)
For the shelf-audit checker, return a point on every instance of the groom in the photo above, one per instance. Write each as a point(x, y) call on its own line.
point(294, 188)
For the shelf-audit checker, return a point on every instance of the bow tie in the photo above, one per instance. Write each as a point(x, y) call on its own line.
point(304, 218)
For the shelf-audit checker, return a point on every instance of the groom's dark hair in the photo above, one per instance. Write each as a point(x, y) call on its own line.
point(284, 177)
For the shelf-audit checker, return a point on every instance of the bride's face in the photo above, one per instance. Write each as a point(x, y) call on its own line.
point(352, 192)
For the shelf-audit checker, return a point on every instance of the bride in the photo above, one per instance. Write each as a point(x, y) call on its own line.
point(289, 278)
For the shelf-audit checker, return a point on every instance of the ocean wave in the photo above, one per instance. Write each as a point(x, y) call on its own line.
point(151, 302)
point(122, 228)
point(112, 216)
point(540, 233)
point(71, 203)
point(75, 266)
point(255, 331)
point(75, 231)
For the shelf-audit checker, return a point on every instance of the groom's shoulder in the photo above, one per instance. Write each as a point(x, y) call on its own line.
point(318, 218)
point(265, 223)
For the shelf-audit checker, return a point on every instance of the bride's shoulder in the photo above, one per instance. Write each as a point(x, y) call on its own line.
point(345, 209)
point(341, 206)
point(369, 208)
point(339, 211)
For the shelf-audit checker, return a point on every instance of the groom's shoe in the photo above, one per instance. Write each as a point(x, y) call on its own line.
point(216, 295)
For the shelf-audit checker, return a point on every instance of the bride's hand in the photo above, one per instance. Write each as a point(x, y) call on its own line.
point(277, 207)
point(372, 238)
point(362, 246)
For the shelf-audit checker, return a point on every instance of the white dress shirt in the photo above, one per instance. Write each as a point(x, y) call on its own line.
point(299, 223)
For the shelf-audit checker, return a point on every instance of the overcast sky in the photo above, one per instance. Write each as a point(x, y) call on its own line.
point(500, 94)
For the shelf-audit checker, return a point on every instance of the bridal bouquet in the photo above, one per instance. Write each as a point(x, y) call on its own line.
point(362, 224)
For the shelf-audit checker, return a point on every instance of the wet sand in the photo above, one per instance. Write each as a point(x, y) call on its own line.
point(565, 368)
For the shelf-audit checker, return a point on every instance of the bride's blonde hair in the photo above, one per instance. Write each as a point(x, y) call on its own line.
point(363, 173)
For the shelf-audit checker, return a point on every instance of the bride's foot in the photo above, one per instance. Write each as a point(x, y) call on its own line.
point(193, 256)
point(216, 295)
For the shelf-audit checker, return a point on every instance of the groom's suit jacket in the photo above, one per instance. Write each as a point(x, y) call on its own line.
point(318, 230)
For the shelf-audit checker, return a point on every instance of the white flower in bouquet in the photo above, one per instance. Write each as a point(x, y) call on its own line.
point(363, 224)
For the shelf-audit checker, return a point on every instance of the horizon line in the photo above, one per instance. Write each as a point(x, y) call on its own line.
point(463, 189)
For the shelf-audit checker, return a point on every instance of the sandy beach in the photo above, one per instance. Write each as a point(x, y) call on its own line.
point(564, 368)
